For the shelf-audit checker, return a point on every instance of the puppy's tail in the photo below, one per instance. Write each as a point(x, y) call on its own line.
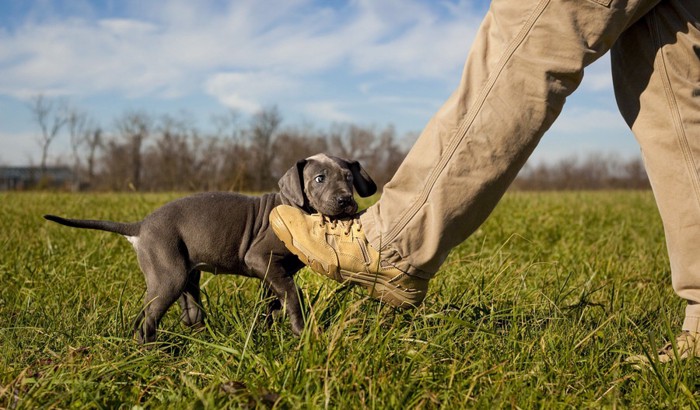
point(127, 229)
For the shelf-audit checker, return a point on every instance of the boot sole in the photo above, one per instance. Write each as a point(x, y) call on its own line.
point(385, 291)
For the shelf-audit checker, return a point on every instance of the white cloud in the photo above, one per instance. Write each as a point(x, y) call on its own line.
point(580, 120)
point(78, 57)
point(127, 28)
point(356, 60)
point(598, 76)
point(417, 45)
point(172, 49)
point(330, 111)
point(247, 91)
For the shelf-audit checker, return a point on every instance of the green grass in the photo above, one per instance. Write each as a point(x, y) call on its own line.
point(538, 309)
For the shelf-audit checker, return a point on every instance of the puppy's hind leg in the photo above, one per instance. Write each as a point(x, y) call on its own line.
point(191, 301)
point(166, 278)
point(157, 303)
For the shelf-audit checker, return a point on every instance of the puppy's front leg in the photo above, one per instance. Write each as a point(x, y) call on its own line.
point(290, 296)
point(271, 269)
point(274, 305)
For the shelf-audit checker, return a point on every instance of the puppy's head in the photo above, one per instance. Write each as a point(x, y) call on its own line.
point(324, 184)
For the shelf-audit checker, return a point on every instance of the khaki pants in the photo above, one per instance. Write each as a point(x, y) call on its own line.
point(528, 56)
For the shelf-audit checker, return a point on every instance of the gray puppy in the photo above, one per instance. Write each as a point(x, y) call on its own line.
point(222, 232)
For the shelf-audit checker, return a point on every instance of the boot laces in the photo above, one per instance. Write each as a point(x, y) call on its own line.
point(344, 226)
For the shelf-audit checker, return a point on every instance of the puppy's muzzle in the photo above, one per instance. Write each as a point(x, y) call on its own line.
point(346, 204)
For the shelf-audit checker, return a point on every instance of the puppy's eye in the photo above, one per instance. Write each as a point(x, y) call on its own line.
point(319, 178)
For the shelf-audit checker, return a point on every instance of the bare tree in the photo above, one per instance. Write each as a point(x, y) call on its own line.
point(227, 125)
point(352, 141)
point(222, 154)
point(115, 170)
point(636, 174)
point(171, 157)
point(50, 117)
point(386, 157)
point(292, 144)
point(378, 151)
point(93, 140)
point(78, 131)
point(134, 128)
point(264, 125)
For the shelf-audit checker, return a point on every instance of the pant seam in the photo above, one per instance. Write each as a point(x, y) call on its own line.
point(464, 125)
point(675, 112)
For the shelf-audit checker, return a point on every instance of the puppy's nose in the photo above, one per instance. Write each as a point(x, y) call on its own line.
point(344, 201)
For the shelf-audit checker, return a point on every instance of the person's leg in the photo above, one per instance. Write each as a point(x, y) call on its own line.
point(526, 59)
point(528, 56)
point(658, 92)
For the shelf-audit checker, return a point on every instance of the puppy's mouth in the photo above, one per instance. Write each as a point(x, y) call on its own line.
point(349, 210)
point(339, 212)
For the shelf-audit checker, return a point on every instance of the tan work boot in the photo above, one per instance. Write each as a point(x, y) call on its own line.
point(339, 249)
point(686, 345)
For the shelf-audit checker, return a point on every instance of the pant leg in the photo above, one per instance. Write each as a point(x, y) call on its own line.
point(658, 92)
point(528, 56)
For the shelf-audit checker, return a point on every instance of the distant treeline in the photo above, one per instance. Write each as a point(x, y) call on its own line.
point(594, 172)
point(147, 153)
point(164, 153)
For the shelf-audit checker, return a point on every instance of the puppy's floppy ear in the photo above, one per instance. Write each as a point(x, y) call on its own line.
point(292, 184)
point(364, 185)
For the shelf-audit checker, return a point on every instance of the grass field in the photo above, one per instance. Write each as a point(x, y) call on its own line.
point(538, 309)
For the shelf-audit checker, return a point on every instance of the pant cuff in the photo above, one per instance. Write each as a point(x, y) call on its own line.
point(388, 253)
point(692, 318)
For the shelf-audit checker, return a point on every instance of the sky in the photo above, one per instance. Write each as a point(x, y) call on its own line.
point(368, 62)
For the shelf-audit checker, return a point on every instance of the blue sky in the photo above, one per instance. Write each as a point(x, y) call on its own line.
point(369, 62)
